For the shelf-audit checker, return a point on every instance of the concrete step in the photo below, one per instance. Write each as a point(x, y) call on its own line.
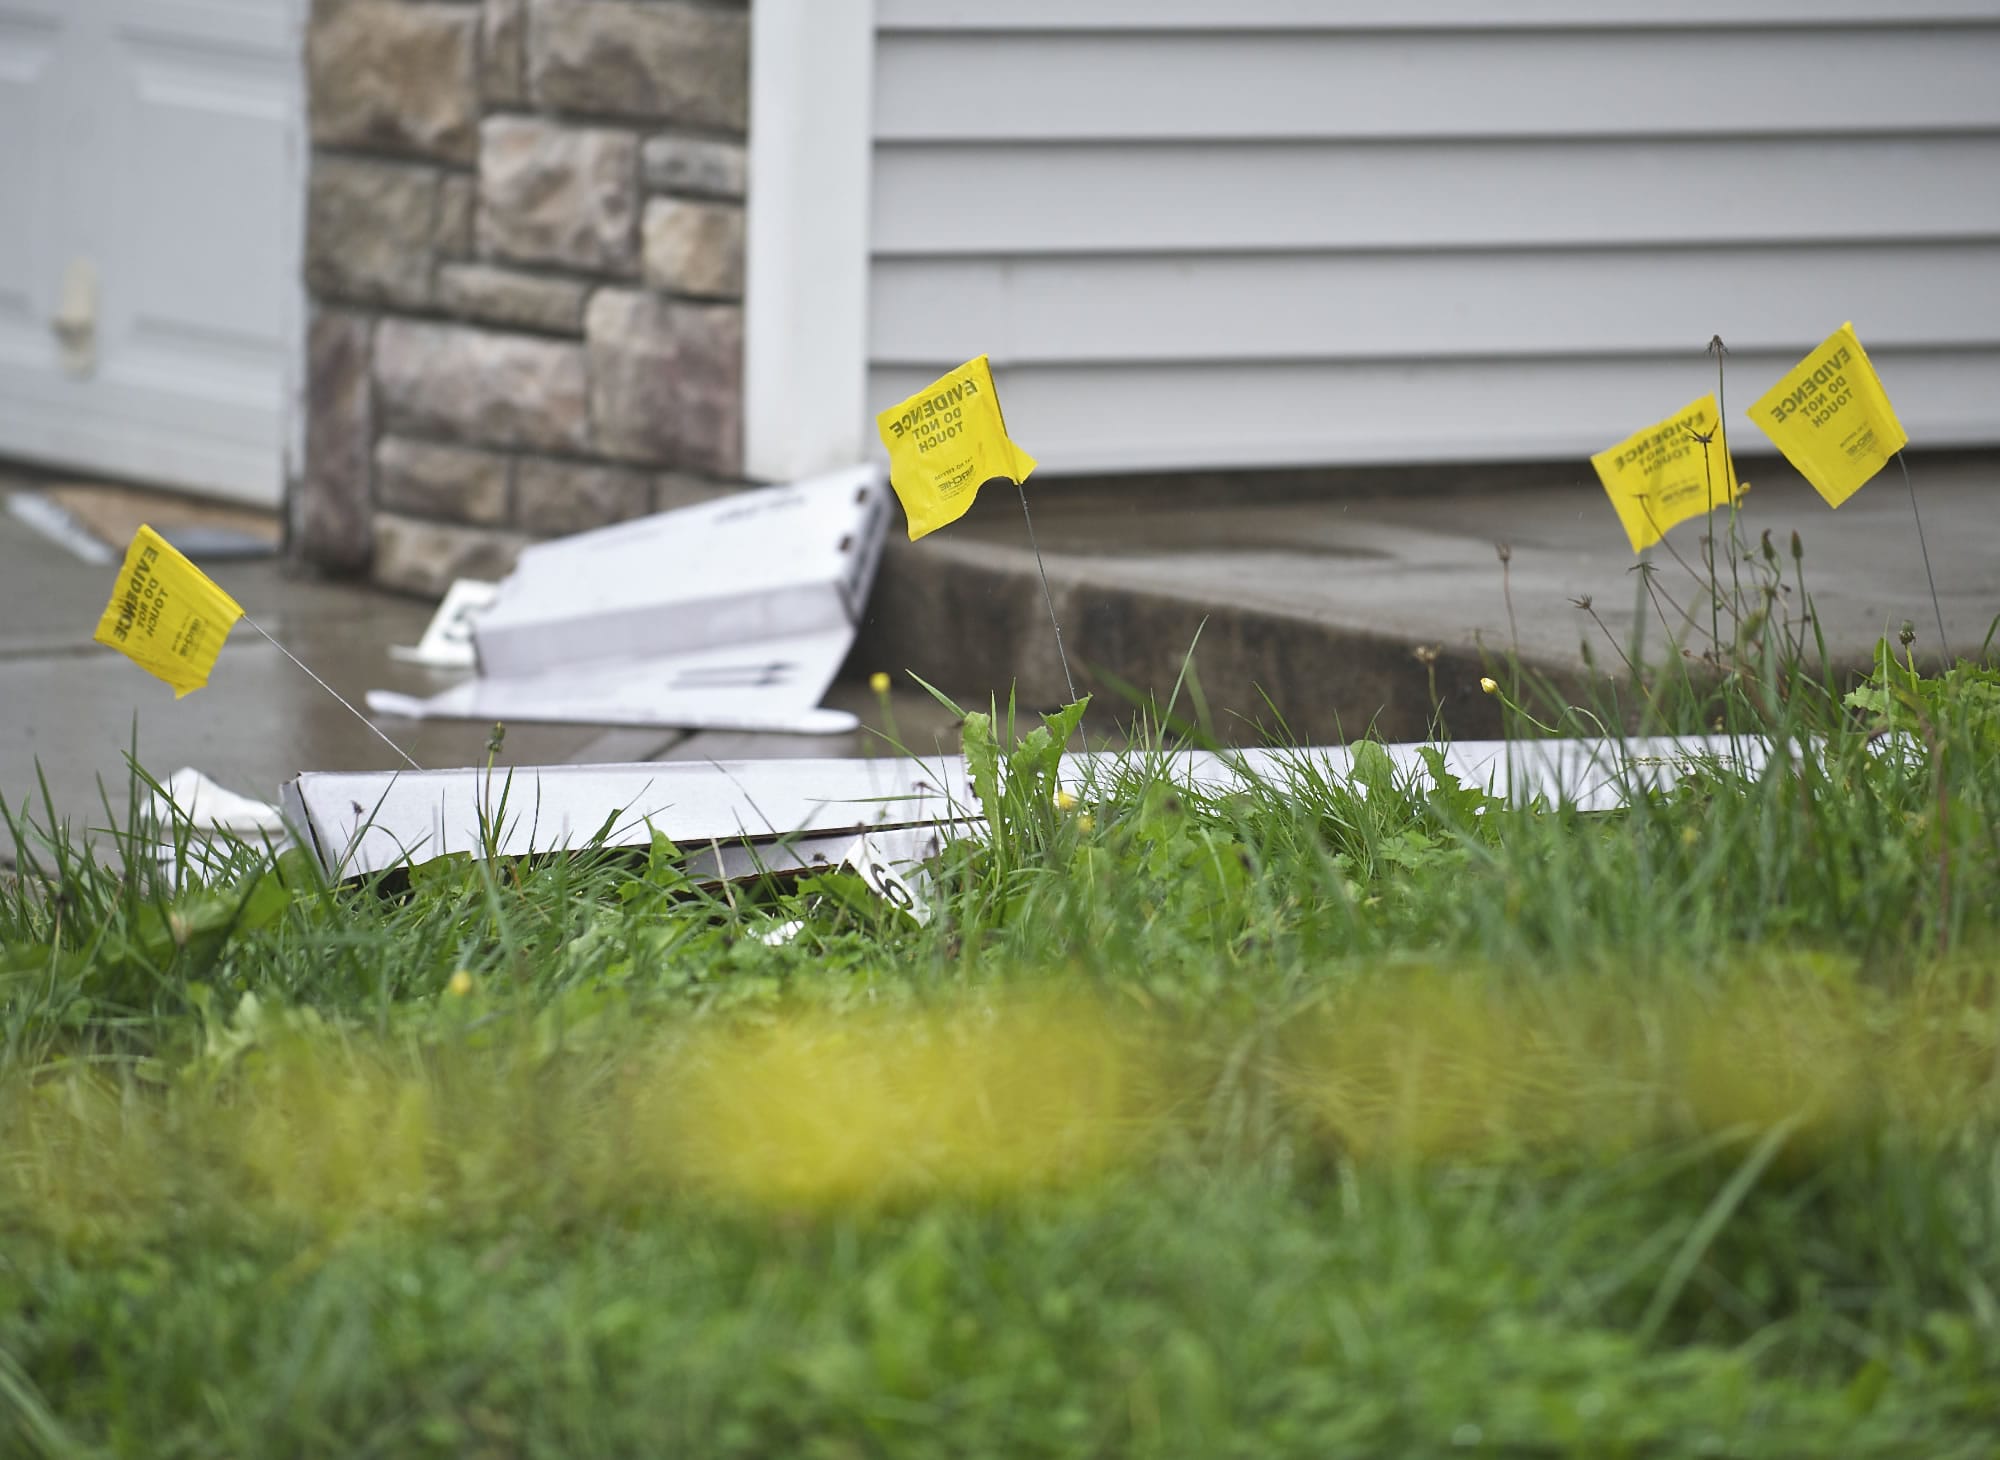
point(1314, 607)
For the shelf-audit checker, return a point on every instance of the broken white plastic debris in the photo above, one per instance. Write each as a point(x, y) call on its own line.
point(733, 614)
point(205, 826)
point(743, 817)
point(736, 817)
point(1589, 775)
point(209, 807)
point(773, 685)
point(447, 640)
point(903, 847)
point(779, 934)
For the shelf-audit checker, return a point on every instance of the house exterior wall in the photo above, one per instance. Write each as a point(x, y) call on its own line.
point(524, 256)
point(1270, 233)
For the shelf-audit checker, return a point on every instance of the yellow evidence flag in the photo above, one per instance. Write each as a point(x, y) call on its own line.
point(945, 443)
point(1668, 473)
point(165, 614)
point(1832, 419)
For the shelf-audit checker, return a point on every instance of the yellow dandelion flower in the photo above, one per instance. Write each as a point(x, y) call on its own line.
point(879, 682)
point(460, 984)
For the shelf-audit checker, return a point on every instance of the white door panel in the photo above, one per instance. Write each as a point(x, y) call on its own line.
point(162, 144)
point(29, 35)
point(257, 27)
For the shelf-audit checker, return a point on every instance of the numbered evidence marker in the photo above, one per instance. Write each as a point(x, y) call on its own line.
point(1832, 419)
point(1668, 473)
point(166, 615)
point(947, 441)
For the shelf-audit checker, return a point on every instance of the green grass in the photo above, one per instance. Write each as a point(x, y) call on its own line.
point(1327, 1117)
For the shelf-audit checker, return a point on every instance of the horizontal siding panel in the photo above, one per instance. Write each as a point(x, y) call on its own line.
point(1021, 198)
point(1210, 234)
point(1131, 418)
point(1399, 305)
point(1311, 15)
point(253, 27)
point(1524, 84)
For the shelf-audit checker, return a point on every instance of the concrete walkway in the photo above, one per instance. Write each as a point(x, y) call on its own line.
point(1315, 601)
point(1319, 602)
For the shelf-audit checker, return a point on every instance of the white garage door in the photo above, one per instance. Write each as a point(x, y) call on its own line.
point(150, 159)
point(1214, 233)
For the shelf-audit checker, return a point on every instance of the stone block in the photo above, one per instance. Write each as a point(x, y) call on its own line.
point(394, 77)
point(695, 166)
point(480, 386)
point(453, 482)
point(458, 197)
point(666, 380)
point(414, 556)
point(557, 497)
point(503, 60)
point(660, 60)
point(509, 297)
point(694, 247)
point(370, 231)
point(551, 194)
point(331, 510)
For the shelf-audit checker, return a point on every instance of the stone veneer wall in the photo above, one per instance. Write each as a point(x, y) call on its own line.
point(524, 252)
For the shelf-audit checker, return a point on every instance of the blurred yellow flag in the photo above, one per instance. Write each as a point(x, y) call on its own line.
point(947, 441)
point(1668, 473)
point(1832, 419)
point(165, 615)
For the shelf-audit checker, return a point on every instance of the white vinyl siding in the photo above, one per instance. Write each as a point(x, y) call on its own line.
point(1213, 233)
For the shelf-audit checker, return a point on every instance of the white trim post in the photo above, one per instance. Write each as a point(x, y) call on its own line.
point(298, 308)
point(805, 324)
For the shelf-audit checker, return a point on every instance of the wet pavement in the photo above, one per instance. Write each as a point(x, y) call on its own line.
point(71, 710)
